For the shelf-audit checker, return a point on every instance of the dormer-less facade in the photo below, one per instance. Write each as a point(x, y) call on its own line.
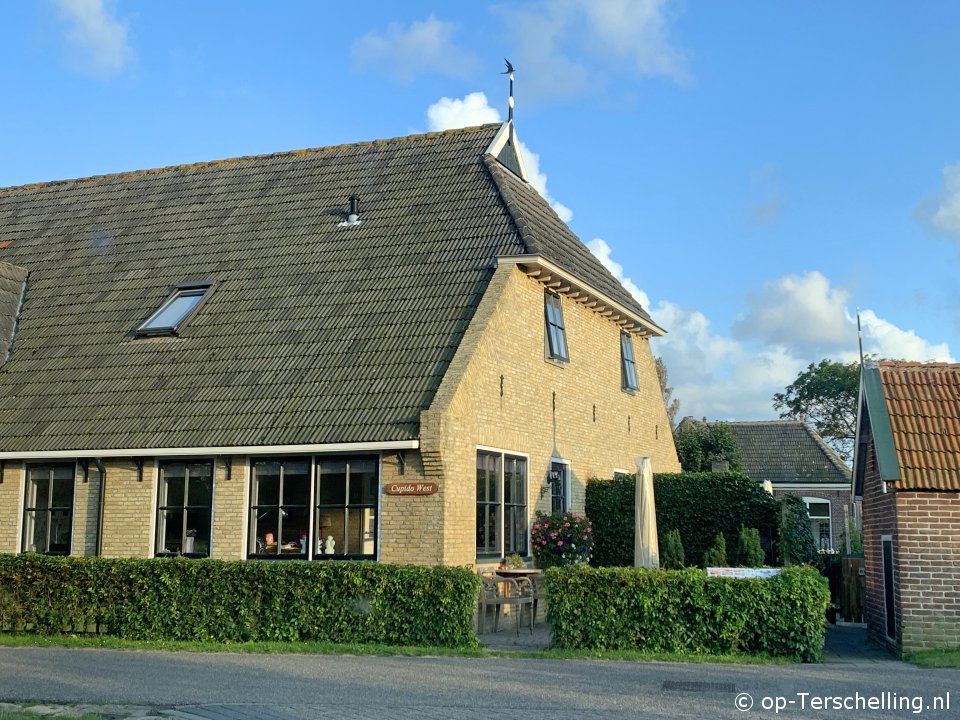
point(233, 359)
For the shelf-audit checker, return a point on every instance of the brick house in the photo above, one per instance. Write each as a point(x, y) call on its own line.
point(795, 460)
point(907, 470)
point(391, 350)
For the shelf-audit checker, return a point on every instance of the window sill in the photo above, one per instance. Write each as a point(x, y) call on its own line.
point(557, 362)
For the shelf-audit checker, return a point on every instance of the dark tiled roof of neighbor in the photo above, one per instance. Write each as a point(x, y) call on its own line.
point(783, 451)
point(12, 280)
point(312, 333)
point(923, 402)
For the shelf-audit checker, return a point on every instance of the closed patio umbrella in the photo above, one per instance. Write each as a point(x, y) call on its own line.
point(646, 549)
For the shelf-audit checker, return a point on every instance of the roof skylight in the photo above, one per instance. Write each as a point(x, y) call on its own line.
point(175, 310)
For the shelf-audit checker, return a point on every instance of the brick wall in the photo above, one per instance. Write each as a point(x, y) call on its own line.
point(501, 392)
point(11, 506)
point(230, 509)
point(928, 562)
point(128, 510)
point(879, 519)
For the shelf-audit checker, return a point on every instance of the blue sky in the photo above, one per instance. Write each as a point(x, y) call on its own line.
point(753, 171)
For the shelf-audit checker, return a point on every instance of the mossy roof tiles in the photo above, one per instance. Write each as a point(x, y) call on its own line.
point(312, 333)
point(786, 451)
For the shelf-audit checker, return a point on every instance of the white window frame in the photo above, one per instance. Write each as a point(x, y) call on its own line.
point(567, 485)
point(198, 289)
point(815, 518)
point(504, 453)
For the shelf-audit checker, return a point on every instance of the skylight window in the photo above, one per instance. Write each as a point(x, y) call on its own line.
point(178, 306)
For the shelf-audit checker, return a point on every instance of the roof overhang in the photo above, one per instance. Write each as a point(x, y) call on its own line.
point(879, 419)
point(316, 448)
point(560, 281)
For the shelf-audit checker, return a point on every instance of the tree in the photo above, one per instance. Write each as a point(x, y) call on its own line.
point(673, 405)
point(700, 444)
point(672, 557)
point(749, 549)
point(716, 556)
point(796, 545)
point(825, 396)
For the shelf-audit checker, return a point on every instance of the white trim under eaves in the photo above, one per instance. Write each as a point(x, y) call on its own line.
point(206, 451)
point(561, 281)
point(811, 486)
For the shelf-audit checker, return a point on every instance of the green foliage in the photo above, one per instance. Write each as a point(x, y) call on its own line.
point(685, 611)
point(699, 505)
point(561, 539)
point(749, 549)
point(716, 556)
point(797, 546)
point(825, 395)
point(699, 445)
point(855, 533)
point(671, 555)
point(178, 599)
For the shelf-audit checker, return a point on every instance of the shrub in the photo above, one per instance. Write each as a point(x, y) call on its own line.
point(699, 505)
point(561, 539)
point(179, 599)
point(716, 556)
point(699, 445)
point(797, 545)
point(672, 556)
point(749, 550)
point(684, 611)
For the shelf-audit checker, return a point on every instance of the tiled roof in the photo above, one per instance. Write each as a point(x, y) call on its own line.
point(923, 404)
point(313, 333)
point(787, 451)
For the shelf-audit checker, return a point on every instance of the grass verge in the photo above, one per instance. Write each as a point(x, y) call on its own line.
point(944, 658)
point(318, 648)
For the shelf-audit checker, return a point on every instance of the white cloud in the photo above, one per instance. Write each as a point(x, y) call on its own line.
point(562, 46)
point(883, 339)
point(798, 311)
point(403, 52)
point(602, 251)
point(97, 35)
point(475, 109)
point(941, 212)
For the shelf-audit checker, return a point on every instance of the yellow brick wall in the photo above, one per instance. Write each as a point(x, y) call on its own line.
point(230, 509)
point(86, 511)
point(129, 506)
point(411, 526)
point(11, 506)
point(575, 411)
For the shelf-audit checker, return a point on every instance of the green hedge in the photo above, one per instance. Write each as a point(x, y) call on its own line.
point(178, 599)
point(685, 611)
point(699, 505)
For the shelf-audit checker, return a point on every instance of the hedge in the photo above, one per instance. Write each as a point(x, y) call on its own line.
point(685, 611)
point(699, 505)
point(213, 600)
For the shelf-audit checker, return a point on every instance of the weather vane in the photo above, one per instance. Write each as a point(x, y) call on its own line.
point(509, 73)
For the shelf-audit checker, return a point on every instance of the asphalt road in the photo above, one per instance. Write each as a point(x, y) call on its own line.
point(325, 686)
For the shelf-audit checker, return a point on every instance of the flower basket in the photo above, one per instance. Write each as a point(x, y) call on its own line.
point(561, 539)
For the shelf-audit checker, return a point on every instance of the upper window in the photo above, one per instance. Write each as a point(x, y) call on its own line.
point(170, 317)
point(556, 333)
point(48, 509)
point(501, 504)
point(184, 509)
point(628, 366)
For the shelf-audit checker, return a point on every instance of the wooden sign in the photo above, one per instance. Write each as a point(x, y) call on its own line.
point(413, 488)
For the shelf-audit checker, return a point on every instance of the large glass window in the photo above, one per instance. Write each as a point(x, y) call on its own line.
point(48, 509)
point(628, 366)
point(501, 504)
point(279, 498)
point(184, 509)
point(346, 512)
point(556, 332)
point(819, 511)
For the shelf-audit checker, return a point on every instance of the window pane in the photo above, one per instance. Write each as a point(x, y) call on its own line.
point(201, 485)
point(173, 479)
point(59, 531)
point(333, 483)
point(267, 485)
point(266, 528)
point(296, 483)
point(175, 310)
point(171, 530)
point(333, 524)
point(293, 531)
point(198, 527)
point(35, 532)
point(817, 509)
point(363, 483)
point(38, 488)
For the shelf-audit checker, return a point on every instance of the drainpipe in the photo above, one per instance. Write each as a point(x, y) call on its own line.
point(103, 495)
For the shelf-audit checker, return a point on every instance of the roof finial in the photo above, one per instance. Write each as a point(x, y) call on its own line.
point(860, 337)
point(509, 73)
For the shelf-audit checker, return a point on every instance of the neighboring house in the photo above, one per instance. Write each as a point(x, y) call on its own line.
point(795, 460)
point(907, 470)
point(391, 350)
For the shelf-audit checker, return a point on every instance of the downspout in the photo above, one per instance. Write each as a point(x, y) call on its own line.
point(103, 494)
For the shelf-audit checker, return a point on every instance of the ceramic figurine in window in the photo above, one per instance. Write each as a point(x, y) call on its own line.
point(329, 545)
